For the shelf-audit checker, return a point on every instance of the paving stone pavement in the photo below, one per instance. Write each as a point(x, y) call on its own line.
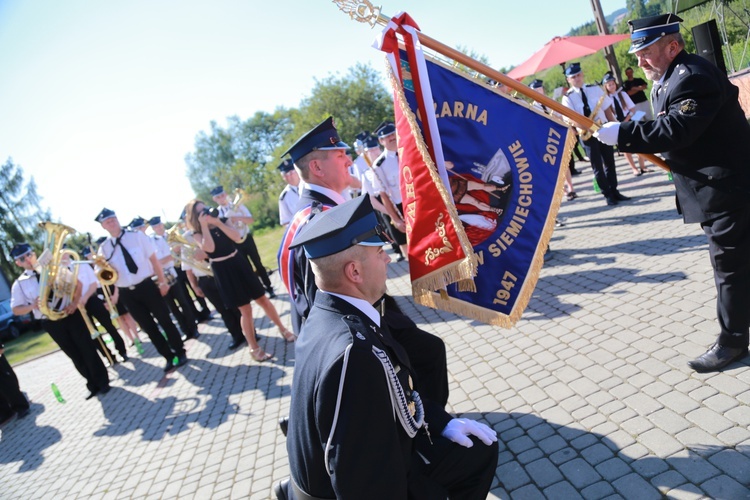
point(590, 392)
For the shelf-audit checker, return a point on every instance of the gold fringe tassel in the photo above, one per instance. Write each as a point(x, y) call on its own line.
point(462, 271)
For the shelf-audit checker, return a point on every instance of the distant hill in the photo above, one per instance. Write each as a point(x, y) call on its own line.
point(614, 17)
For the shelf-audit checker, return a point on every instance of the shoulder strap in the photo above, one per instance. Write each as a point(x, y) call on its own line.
point(285, 256)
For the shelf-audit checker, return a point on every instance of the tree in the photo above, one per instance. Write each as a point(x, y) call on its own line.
point(242, 156)
point(358, 101)
point(20, 212)
point(245, 153)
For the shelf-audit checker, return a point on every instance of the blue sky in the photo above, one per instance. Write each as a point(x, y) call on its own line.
point(101, 100)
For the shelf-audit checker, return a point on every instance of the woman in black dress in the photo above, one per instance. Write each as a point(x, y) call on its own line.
point(237, 283)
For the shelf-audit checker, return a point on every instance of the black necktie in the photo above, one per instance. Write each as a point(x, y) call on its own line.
point(655, 91)
point(129, 262)
point(618, 110)
point(586, 108)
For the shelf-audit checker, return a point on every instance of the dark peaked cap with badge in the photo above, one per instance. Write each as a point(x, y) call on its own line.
point(536, 83)
point(137, 222)
point(154, 221)
point(104, 214)
point(647, 31)
point(323, 137)
point(573, 69)
point(343, 226)
point(286, 166)
point(19, 250)
point(385, 129)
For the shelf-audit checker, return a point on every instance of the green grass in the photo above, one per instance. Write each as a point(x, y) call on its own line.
point(268, 242)
point(29, 345)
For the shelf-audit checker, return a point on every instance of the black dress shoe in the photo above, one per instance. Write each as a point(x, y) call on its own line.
point(281, 489)
point(169, 366)
point(181, 361)
point(104, 390)
point(284, 425)
point(234, 345)
point(22, 413)
point(621, 197)
point(611, 201)
point(92, 394)
point(716, 358)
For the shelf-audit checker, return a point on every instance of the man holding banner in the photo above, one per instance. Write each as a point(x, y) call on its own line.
point(704, 135)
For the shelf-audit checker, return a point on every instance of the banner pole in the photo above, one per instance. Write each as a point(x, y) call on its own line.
point(364, 12)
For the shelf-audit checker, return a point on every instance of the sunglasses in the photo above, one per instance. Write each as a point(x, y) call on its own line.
point(23, 258)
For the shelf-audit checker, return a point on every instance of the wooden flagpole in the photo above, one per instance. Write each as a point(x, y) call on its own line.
point(364, 12)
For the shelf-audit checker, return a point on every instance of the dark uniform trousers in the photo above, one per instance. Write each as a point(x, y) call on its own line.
point(74, 339)
point(182, 308)
point(602, 159)
point(12, 399)
point(96, 309)
point(231, 317)
point(729, 250)
point(183, 282)
point(145, 303)
point(250, 250)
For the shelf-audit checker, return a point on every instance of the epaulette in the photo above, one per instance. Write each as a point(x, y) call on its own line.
point(283, 193)
point(379, 161)
point(358, 331)
point(569, 92)
point(591, 85)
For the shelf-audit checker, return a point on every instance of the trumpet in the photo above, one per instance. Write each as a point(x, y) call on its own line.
point(184, 250)
point(240, 197)
point(586, 135)
point(106, 275)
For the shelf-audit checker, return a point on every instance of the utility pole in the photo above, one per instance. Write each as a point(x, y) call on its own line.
point(609, 52)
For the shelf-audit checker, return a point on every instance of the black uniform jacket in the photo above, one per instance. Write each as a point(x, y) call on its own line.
point(701, 129)
point(370, 454)
point(304, 280)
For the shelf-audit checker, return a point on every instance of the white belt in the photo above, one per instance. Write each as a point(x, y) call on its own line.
point(219, 259)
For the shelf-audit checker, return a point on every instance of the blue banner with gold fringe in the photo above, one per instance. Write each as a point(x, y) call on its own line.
point(504, 159)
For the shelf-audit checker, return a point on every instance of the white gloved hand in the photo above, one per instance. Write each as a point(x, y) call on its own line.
point(608, 133)
point(458, 430)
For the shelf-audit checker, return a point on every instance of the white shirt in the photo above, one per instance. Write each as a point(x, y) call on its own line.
point(330, 193)
point(87, 276)
point(387, 176)
point(288, 202)
point(140, 247)
point(25, 291)
point(228, 211)
point(361, 305)
point(360, 166)
point(572, 99)
point(162, 250)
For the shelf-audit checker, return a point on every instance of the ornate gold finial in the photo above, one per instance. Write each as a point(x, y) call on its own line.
point(360, 10)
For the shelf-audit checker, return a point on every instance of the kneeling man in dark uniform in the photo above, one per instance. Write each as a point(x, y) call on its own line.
point(358, 427)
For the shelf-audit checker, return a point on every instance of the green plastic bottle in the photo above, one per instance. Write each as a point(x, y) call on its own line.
point(597, 189)
point(138, 345)
point(57, 393)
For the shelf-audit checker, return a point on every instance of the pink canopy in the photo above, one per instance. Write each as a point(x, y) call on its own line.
point(561, 49)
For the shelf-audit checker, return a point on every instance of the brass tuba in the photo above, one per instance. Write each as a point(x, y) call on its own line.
point(184, 250)
point(57, 283)
point(240, 198)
